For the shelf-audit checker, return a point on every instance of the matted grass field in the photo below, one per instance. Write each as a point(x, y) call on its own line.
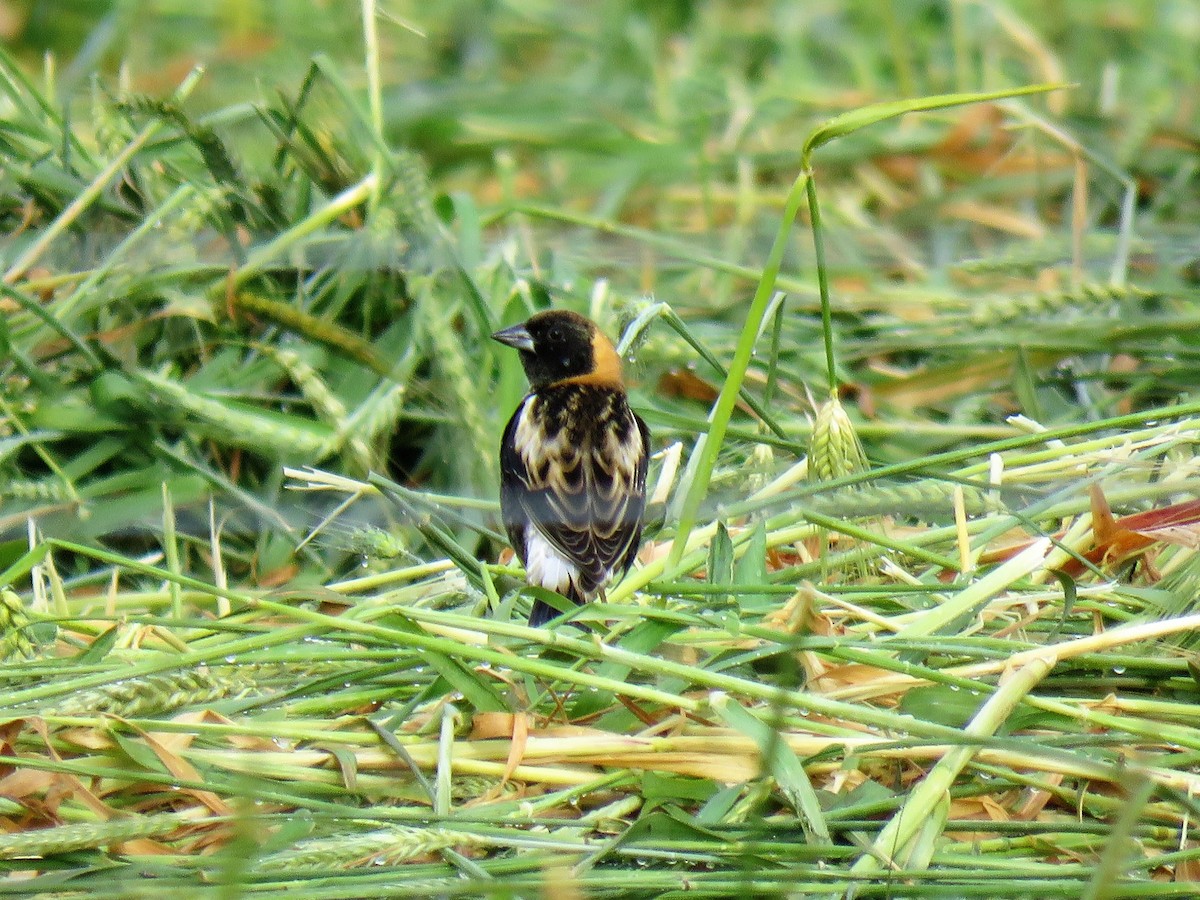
point(908, 294)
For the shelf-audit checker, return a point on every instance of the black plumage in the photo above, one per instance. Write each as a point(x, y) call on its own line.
point(572, 461)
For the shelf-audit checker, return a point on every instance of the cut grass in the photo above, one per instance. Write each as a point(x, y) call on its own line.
point(246, 355)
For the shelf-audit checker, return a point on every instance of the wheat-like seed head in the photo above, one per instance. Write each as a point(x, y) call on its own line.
point(835, 450)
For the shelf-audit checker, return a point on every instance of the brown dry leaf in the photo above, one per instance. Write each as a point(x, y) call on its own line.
point(905, 168)
point(181, 769)
point(687, 385)
point(1178, 523)
point(963, 140)
point(516, 749)
point(22, 783)
point(838, 780)
point(849, 675)
point(178, 741)
point(144, 847)
point(207, 836)
point(814, 667)
point(785, 557)
point(1124, 364)
point(801, 613)
point(984, 807)
point(933, 386)
point(69, 784)
point(488, 725)
point(1119, 540)
point(650, 721)
point(1038, 798)
point(39, 273)
point(996, 217)
point(86, 738)
point(9, 732)
point(240, 741)
point(1188, 870)
point(423, 719)
point(652, 551)
point(967, 809)
point(523, 185)
point(560, 882)
point(1034, 805)
point(282, 575)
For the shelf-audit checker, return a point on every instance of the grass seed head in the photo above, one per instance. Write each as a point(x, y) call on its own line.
point(835, 451)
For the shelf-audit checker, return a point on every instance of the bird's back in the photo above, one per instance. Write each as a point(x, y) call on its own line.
point(573, 466)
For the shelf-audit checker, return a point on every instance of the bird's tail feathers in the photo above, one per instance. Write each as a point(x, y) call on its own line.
point(543, 612)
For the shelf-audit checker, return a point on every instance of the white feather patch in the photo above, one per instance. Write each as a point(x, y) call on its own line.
point(545, 566)
point(535, 447)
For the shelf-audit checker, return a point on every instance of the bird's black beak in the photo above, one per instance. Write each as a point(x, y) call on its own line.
point(517, 336)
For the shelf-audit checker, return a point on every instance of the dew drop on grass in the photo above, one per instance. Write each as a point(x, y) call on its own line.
point(231, 659)
point(955, 687)
point(1118, 670)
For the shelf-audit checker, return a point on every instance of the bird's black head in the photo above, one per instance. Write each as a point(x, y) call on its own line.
point(560, 345)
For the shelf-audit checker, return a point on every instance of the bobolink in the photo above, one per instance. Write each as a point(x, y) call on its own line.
point(572, 461)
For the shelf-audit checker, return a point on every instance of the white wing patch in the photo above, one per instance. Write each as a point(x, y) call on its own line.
point(545, 566)
point(537, 449)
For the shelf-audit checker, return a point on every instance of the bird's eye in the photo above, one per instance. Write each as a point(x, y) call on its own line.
point(556, 334)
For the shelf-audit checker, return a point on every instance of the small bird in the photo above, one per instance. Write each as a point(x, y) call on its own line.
point(572, 461)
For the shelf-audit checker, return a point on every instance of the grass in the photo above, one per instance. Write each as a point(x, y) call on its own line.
point(257, 634)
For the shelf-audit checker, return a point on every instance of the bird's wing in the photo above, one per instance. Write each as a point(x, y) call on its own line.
point(513, 478)
point(586, 499)
point(639, 482)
